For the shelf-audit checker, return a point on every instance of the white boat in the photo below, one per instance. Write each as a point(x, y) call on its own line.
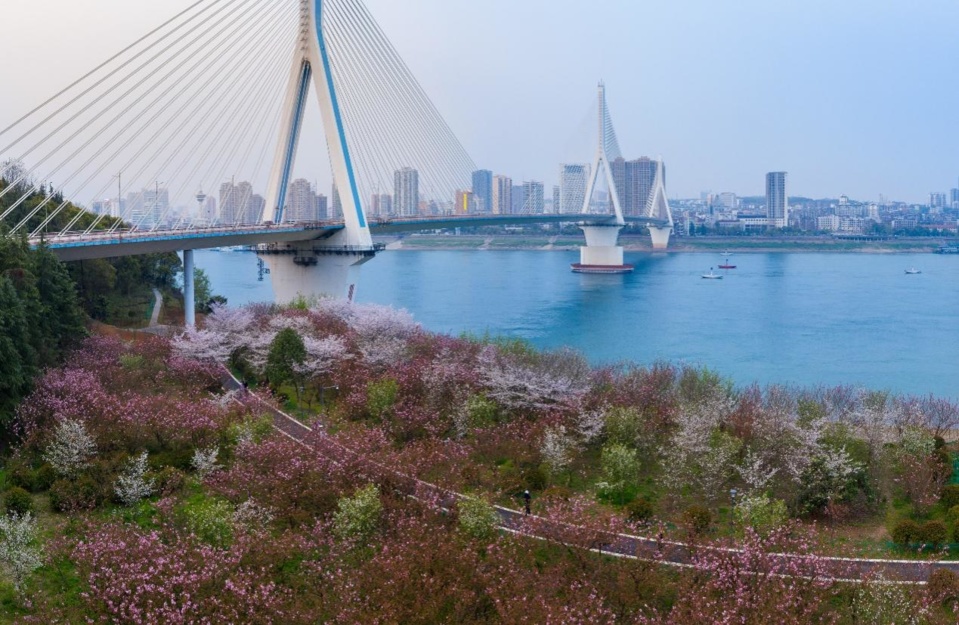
point(711, 275)
point(913, 271)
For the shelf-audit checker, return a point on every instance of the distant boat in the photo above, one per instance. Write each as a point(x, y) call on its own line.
point(726, 264)
point(913, 271)
point(711, 275)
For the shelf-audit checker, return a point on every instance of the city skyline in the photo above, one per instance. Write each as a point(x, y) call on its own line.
point(863, 120)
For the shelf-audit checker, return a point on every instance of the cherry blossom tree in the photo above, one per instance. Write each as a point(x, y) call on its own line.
point(20, 553)
point(132, 485)
point(71, 449)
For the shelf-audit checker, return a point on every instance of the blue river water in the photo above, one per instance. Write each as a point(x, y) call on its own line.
point(793, 318)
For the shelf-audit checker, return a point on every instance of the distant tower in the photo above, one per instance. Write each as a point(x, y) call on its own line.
point(502, 195)
point(406, 192)
point(573, 179)
point(483, 189)
point(533, 200)
point(777, 204)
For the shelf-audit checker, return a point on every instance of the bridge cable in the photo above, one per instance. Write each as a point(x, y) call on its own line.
point(139, 119)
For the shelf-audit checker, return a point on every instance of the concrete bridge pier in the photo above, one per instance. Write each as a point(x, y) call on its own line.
point(312, 269)
point(189, 290)
point(601, 254)
point(660, 237)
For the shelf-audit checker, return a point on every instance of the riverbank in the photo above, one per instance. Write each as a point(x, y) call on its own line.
point(641, 243)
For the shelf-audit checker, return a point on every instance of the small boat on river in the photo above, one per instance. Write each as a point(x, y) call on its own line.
point(712, 276)
point(913, 271)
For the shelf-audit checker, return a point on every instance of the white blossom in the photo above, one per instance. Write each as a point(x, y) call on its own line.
point(19, 553)
point(557, 449)
point(252, 515)
point(204, 461)
point(71, 449)
point(591, 424)
point(321, 355)
point(755, 472)
point(132, 485)
point(519, 385)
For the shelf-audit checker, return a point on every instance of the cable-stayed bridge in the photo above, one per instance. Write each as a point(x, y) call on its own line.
point(220, 92)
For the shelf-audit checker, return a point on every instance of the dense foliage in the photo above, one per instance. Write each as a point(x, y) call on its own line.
point(39, 318)
point(160, 497)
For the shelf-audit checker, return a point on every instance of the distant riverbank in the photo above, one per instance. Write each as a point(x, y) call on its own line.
point(641, 243)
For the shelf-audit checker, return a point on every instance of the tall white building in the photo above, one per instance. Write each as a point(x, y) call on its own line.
point(777, 203)
point(300, 202)
point(533, 200)
point(573, 179)
point(406, 192)
point(502, 195)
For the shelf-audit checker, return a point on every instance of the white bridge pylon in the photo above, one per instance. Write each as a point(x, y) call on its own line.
point(311, 64)
point(313, 272)
point(607, 149)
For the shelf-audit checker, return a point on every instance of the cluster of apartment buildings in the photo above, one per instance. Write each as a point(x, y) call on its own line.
point(728, 213)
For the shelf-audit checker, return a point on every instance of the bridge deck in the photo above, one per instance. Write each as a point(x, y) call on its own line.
point(128, 243)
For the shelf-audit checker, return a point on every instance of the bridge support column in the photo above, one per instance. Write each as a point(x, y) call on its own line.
point(660, 237)
point(601, 254)
point(189, 290)
point(314, 269)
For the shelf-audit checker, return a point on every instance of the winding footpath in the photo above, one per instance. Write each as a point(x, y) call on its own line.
point(669, 553)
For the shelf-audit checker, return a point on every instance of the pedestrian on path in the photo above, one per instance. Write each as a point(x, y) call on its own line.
point(526, 499)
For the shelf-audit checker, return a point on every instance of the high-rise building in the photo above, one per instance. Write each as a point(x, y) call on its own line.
point(777, 204)
point(728, 200)
point(464, 202)
point(634, 183)
point(337, 209)
point(245, 201)
point(518, 205)
point(954, 198)
point(640, 176)
point(300, 202)
point(554, 207)
point(147, 206)
point(617, 168)
point(239, 205)
point(254, 209)
point(381, 205)
point(322, 208)
point(533, 197)
point(937, 200)
point(573, 179)
point(227, 204)
point(208, 210)
point(502, 195)
point(483, 189)
point(406, 192)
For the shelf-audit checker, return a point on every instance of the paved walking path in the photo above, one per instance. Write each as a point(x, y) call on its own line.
point(620, 545)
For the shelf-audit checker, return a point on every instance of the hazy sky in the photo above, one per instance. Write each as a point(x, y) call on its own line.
point(849, 96)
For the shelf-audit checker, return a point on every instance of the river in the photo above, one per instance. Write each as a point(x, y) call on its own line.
point(794, 318)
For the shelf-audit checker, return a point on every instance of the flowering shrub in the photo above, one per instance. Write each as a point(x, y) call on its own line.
point(204, 461)
point(760, 513)
point(358, 516)
point(477, 517)
point(133, 485)
point(71, 449)
point(20, 555)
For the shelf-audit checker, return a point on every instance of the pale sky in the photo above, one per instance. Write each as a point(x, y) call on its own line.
point(848, 96)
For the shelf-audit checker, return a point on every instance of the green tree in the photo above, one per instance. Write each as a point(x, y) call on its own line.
point(358, 516)
point(202, 291)
point(15, 367)
point(286, 351)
